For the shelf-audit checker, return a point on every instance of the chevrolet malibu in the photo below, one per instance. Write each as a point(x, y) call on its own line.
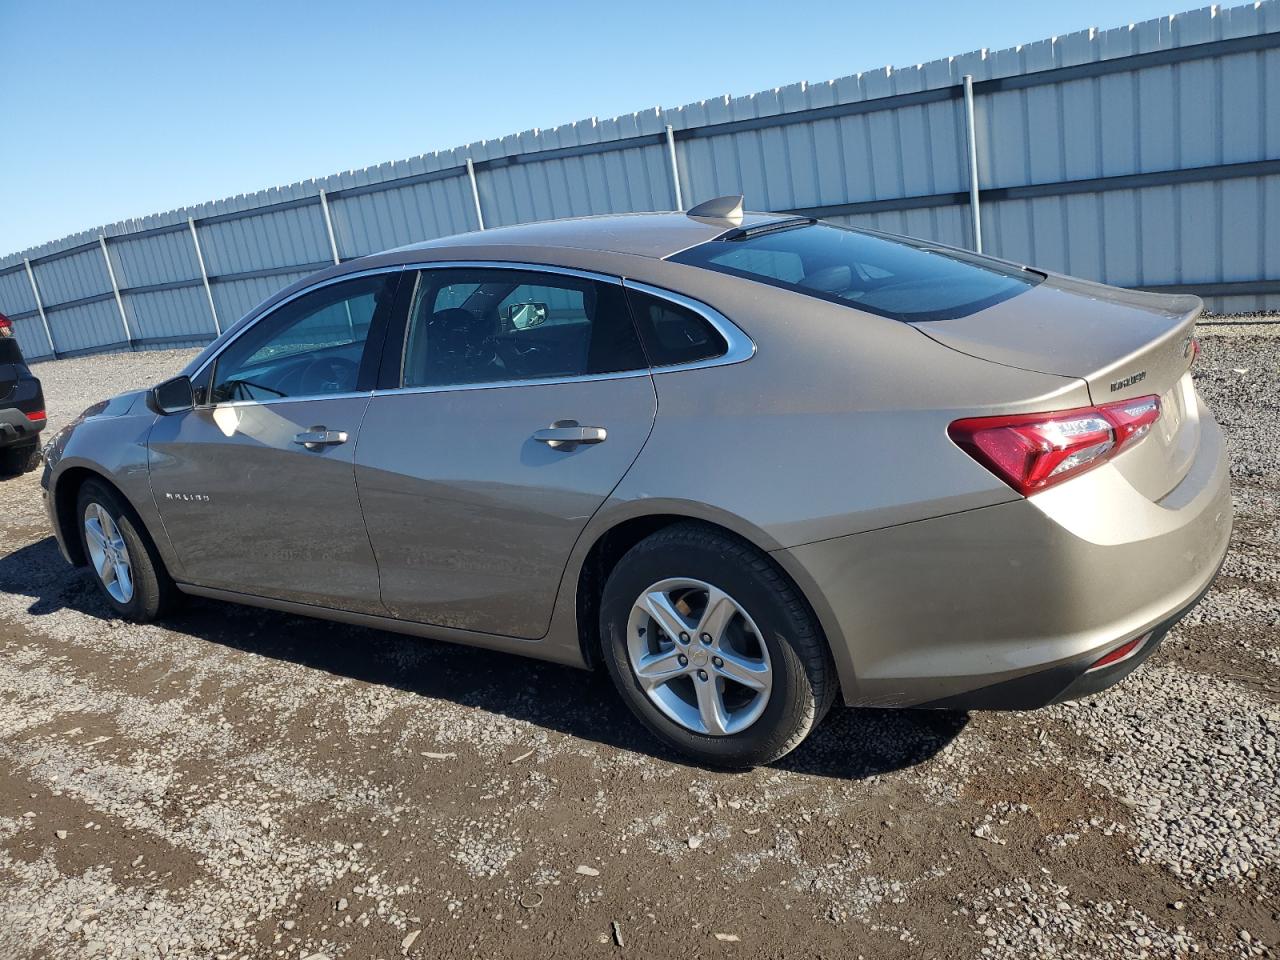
point(749, 463)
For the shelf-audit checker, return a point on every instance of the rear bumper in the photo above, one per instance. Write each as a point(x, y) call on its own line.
point(16, 428)
point(1007, 607)
point(1066, 681)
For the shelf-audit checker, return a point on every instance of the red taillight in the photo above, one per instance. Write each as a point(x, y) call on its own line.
point(1132, 418)
point(1032, 451)
point(1120, 653)
point(37, 415)
point(1195, 350)
point(6, 326)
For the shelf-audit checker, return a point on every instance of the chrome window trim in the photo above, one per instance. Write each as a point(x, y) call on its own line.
point(498, 384)
point(740, 346)
point(310, 397)
point(514, 265)
point(341, 278)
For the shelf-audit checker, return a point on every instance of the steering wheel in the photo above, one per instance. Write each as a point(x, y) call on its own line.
point(328, 375)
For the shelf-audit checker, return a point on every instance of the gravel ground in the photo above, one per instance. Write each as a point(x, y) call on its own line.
point(241, 783)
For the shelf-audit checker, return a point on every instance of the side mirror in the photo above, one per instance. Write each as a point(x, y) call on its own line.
point(522, 316)
point(172, 396)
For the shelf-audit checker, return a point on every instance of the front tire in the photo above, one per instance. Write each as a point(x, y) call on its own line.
point(713, 648)
point(122, 559)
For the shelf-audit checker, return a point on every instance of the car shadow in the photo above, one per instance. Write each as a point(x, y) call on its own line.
point(849, 744)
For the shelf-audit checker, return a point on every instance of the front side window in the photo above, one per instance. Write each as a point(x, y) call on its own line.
point(894, 277)
point(493, 326)
point(311, 346)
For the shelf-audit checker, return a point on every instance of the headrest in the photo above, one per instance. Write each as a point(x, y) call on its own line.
point(829, 279)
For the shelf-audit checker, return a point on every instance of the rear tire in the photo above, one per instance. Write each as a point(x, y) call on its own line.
point(122, 559)
point(15, 461)
point(752, 676)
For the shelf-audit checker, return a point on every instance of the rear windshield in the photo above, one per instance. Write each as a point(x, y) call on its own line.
point(892, 276)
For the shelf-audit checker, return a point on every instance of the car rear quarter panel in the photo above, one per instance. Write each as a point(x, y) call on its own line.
point(837, 424)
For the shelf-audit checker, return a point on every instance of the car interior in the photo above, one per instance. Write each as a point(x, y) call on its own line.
point(330, 370)
point(497, 330)
point(310, 347)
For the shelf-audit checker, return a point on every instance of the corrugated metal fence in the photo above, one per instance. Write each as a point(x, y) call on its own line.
point(1146, 156)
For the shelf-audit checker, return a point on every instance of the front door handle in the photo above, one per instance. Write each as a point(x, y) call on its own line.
point(567, 434)
point(318, 437)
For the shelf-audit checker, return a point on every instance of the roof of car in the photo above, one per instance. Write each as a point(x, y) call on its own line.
point(656, 235)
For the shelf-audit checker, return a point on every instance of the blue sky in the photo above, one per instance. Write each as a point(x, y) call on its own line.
point(120, 109)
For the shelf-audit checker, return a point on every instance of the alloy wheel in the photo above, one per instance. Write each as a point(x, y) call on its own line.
point(699, 656)
point(108, 553)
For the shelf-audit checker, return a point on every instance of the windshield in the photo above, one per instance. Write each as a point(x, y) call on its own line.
point(891, 276)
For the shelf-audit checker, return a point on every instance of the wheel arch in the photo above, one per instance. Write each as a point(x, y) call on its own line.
point(610, 544)
point(65, 492)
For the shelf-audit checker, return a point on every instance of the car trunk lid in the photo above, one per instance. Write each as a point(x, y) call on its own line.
point(1123, 343)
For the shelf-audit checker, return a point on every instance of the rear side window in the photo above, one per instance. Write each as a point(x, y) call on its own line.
point(893, 277)
point(497, 326)
point(673, 334)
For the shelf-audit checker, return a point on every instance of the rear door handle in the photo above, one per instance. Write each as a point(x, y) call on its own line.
point(567, 434)
point(318, 437)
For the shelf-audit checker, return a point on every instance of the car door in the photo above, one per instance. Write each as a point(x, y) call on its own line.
point(256, 485)
point(518, 401)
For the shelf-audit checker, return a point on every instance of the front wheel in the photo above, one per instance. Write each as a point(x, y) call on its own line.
point(713, 648)
point(124, 561)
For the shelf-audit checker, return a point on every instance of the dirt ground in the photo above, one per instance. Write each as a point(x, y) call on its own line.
point(240, 783)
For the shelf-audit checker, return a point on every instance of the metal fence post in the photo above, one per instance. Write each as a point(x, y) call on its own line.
point(204, 276)
point(675, 167)
point(328, 225)
point(475, 191)
point(115, 288)
point(975, 211)
point(35, 292)
point(333, 248)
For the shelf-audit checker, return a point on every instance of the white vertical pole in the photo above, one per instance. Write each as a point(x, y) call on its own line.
point(475, 192)
point(115, 288)
point(675, 167)
point(975, 211)
point(333, 248)
point(35, 291)
point(328, 225)
point(204, 276)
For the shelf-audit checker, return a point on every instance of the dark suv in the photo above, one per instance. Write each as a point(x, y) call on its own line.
point(22, 414)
